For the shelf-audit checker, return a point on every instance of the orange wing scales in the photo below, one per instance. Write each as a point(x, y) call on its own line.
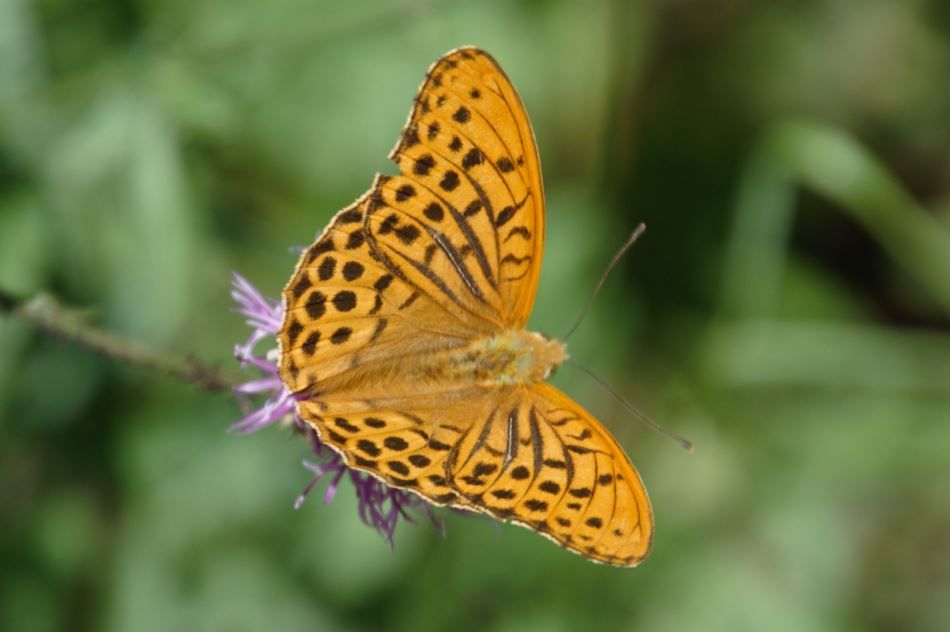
point(434, 245)
point(548, 465)
point(345, 309)
point(446, 253)
point(536, 458)
point(396, 447)
point(469, 140)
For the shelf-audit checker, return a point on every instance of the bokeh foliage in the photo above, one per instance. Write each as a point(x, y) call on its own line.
point(788, 310)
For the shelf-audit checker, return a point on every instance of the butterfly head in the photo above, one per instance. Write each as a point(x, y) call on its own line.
point(548, 354)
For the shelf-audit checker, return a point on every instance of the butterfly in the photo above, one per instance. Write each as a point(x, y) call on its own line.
point(403, 335)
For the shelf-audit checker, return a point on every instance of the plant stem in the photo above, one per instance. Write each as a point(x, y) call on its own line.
point(47, 314)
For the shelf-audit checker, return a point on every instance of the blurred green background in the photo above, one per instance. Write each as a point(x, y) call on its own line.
point(788, 309)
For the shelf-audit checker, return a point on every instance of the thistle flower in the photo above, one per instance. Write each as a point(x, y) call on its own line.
point(380, 506)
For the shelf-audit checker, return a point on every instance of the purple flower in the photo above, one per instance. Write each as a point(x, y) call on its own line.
point(380, 506)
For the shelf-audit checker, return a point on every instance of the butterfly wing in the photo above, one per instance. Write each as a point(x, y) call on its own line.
point(344, 310)
point(542, 461)
point(406, 441)
point(527, 454)
point(469, 201)
point(445, 251)
point(426, 261)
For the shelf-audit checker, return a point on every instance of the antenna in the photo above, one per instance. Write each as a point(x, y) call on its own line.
point(636, 412)
point(610, 266)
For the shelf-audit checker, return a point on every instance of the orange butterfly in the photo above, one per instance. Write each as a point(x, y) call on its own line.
point(404, 331)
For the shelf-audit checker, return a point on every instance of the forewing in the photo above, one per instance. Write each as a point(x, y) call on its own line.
point(469, 200)
point(344, 309)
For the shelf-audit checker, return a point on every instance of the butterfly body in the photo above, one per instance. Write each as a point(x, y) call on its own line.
point(404, 331)
point(508, 358)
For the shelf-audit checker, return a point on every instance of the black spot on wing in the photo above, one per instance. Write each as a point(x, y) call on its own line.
point(399, 467)
point(508, 212)
point(302, 285)
point(407, 233)
point(410, 138)
point(435, 444)
point(484, 469)
point(388, 224)
point(316, 304)
point(309, 347)
point(405, 192)
point(395, 443)
point(344, 301)
point(504, 216)
point(423, 165)
point(352, 270)
point(341, 335)
point(474, 207)
point(294, 331)
point(324, 246)
point(434, 212)
point(344, 424)
point(355, 240)
point(520, 473)
point(327, 268)
point(368, 447)
point(462, 115)
point(350, 217)
point(374, 422)
point(505, 165)
point(536, 505)
point(420, 460)
point(450, 181)
point(472, 158)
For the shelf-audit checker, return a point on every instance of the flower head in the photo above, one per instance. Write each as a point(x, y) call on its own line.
point(380, 506)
